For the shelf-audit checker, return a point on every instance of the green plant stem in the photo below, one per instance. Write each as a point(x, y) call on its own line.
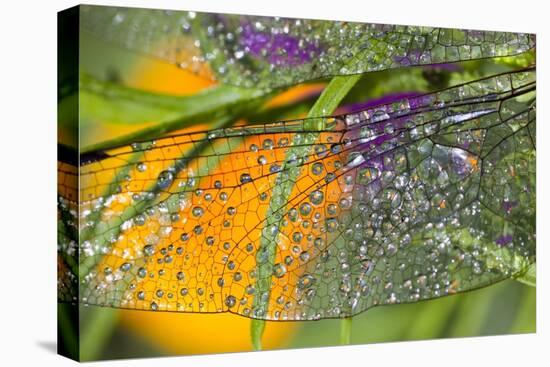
point(331, 97)
point(256, 331)
point(345, 331)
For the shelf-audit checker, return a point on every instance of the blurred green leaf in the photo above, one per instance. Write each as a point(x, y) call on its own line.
point(118, 104)
point(432, 319)
point(525, 320)
point(518, 61)
point(113, 103)
point(471, 311)
point(486, 311)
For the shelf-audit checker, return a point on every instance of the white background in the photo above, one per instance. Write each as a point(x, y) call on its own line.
point(28, 182)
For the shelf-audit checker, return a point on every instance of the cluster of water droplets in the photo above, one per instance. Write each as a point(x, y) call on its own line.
point(271, 51)
point(393, 204)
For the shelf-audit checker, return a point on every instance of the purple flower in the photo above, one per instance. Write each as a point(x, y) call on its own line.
point(449, 66)
point(413, 57)
point(381, 126)
point(280, 49)
point(504, 240)
point(507, 206)
point(386, 99)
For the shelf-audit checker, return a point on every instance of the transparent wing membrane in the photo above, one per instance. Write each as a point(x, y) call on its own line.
point(67, 232)
point(254, 51)
point(315, 218)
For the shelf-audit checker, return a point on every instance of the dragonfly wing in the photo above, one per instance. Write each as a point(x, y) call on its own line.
point(267, 52)
point(67, 231)
point(317, 218)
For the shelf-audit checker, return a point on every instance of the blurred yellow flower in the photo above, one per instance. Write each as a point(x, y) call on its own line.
point(187, 333)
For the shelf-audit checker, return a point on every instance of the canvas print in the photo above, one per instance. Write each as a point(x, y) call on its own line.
point(232, 182)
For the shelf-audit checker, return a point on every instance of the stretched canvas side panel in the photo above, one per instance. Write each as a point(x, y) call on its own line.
point(67, 183)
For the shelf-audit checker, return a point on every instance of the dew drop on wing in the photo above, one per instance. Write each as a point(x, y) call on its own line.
point(306, 281)
point(279, 270)
point(230, 301)
point(245, 178)
point(165, 179)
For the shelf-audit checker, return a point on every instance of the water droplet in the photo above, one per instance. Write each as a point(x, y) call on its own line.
point(139, 219)
point(367, 175)
point(336, 148)
point(250, 289)
point(198, 211)
point(331, 224)
point(283, 142)
point(289, 260)
point(148, 250)
point(279, 270)
point(317, 197)
point(267, 144)
point(330, 177)
point(306, 281)
point(293, 214)
point(320, 150)
point(165, 179)
point(367, 266)
point(239, 54)
point(297, 237)
point(245, 178)
point(317, 168)
point(198, 229)
point(230, 301)
point(274, 168)
point(393, 197)
point(305, 209)
point(141, 167)
point(345, 203)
